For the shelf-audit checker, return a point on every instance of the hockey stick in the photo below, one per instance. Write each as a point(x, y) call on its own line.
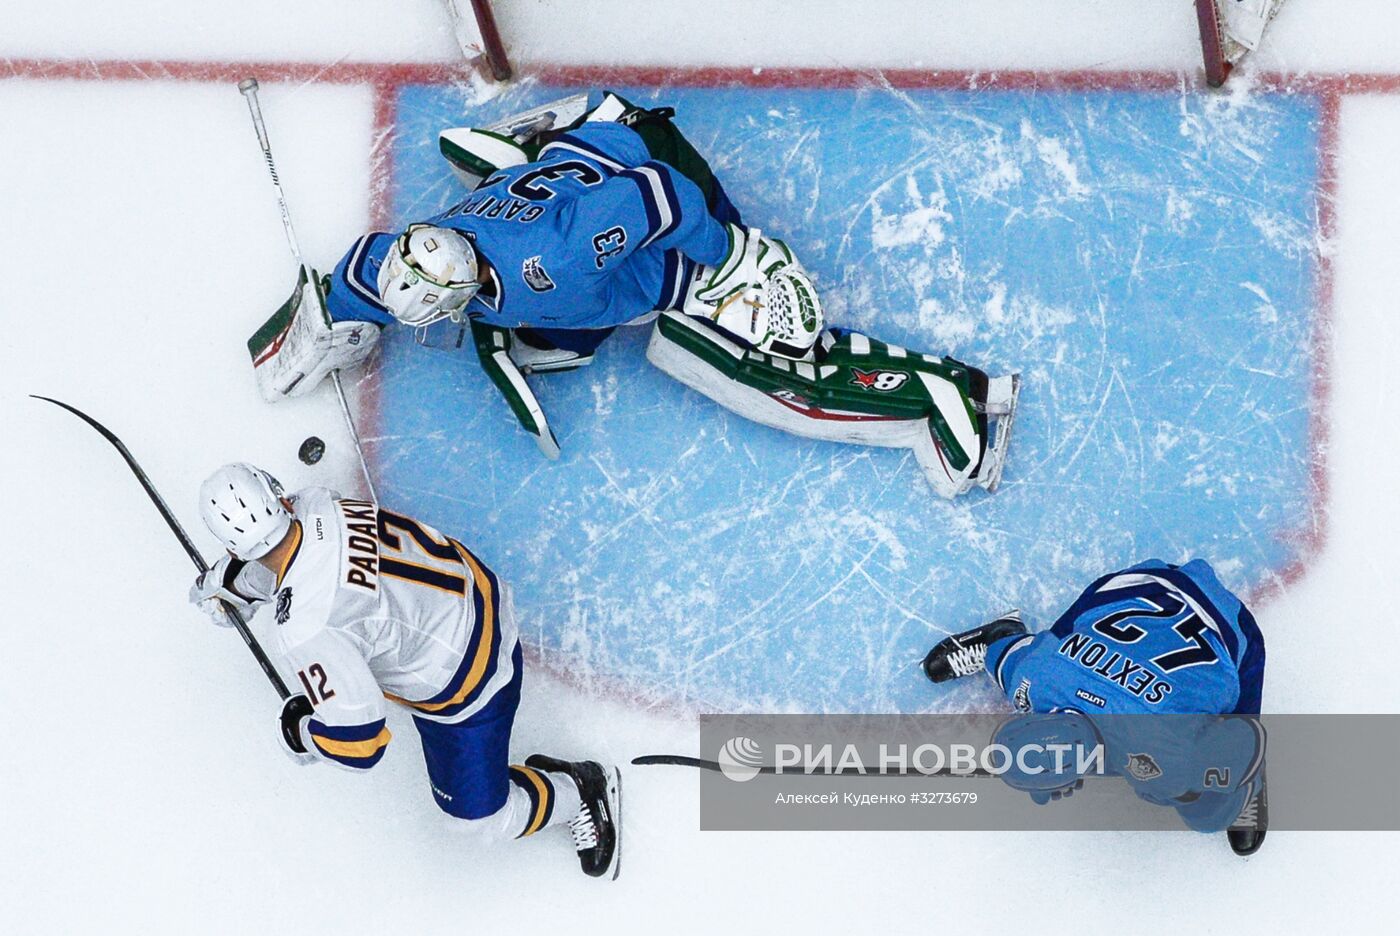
point(234, 617)
point(681, 760)
point(249, 89)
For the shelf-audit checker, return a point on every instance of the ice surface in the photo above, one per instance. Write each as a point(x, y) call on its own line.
point(1110, 246)
point(140, 788)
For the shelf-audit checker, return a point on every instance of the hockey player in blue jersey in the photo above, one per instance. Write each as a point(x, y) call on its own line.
point(582, 234)
point(566, 234)
point(1152, 639)
point(575, 226)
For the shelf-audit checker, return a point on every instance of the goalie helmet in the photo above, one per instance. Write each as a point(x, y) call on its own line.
point(429, 275)
point(242, 505)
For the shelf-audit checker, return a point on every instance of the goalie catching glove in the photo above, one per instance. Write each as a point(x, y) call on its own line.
point(760, 294)
point(298, 346)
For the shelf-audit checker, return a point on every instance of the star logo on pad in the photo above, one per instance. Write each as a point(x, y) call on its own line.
point(880, 380)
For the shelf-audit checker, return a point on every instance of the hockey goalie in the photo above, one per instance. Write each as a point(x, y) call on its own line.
point(580, 220)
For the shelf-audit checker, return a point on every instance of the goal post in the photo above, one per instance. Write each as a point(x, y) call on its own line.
point(1230, 29)
point(474, 28)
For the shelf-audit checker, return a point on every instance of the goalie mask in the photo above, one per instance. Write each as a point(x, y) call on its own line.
point(242, 506)
point(429, 275)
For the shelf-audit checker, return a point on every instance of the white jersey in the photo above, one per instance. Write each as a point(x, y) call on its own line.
point(371, 604)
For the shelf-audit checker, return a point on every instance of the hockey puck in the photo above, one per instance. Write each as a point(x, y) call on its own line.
point(311, 450)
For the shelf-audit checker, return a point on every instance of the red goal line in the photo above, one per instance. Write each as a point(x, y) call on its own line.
point(394, 74)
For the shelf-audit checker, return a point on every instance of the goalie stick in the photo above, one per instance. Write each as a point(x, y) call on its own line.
point(236, 619)
point(248, 87)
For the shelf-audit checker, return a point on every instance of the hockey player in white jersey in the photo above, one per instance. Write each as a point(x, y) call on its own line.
point(372, 605)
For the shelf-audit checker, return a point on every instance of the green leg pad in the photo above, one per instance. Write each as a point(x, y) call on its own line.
point(857, 390)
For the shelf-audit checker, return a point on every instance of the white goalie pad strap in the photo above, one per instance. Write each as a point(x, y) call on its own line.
point(493, 350)
point(612, 108)
point(790, 412)
point(310, 347)
point(948, 399)
point(520, 395)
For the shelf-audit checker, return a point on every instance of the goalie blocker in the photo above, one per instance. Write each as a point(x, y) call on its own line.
point(299, 346)
point(956, 419)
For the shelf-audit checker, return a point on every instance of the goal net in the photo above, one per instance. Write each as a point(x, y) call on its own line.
point(1230, 29)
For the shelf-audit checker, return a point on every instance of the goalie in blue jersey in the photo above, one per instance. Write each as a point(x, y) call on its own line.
point(578, 220)
point(1154, 639)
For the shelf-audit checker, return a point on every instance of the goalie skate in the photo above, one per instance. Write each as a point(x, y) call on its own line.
point(550, 116)
point(1003, 393)
point(475, 154)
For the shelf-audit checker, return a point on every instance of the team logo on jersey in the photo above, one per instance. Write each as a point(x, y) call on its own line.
point(885, 381)
point(1022, 698)
point(1143, 767)
point(284, 605)
point(535, 276)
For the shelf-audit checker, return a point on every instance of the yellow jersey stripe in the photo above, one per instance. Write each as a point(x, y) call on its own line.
point(353, 748)
point(541, 801)
point(291, 554)
point(483, 648)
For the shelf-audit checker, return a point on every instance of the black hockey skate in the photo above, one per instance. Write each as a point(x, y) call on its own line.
point(597, 829)
point(1246, 835)
point(966, 653)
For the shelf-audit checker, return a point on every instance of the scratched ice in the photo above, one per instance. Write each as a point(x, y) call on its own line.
point(1146, 260)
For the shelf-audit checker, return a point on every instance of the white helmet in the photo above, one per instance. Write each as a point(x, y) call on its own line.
point(242, 506)
point(429, 275)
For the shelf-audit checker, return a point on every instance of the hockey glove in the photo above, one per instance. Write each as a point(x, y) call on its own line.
point(760, 294)
point(295, 349)
point(291, 730)
point(1041, 797)
point(240, 585)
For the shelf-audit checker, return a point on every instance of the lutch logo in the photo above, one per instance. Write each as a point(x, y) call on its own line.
point(740, 759)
